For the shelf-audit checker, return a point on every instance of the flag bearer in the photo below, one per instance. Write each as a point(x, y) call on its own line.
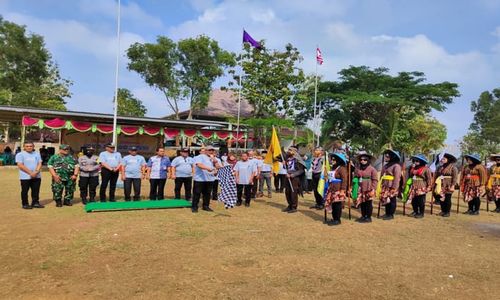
point(295, 167)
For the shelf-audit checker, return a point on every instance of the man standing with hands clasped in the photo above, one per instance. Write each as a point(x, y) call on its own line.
point(89, 174)
point(182, 173)
point(29, 163)
point(110, 168)
point(133, 168)
point(64, 170)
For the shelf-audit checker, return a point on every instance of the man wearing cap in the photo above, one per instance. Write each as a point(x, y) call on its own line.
point(317, 169)
point(206, 166)
point(182, 173)
point(158, 166)
point(110, 169)
point(421, 183)
point(364, 185)
point(473, 181)
point(64, 170)
point(493, 185)
point(444, 182)
point(132, 170)
point(388, 185)
point(29, 163)
point(89, 174)
point(295, 167)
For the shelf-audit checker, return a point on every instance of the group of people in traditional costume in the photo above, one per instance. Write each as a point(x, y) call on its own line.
point(360, 181)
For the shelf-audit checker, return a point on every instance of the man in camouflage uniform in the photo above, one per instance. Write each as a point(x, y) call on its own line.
point(64, 170)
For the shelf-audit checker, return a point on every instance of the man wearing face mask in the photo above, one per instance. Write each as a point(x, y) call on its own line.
point(421, 184)
point(444, 182)
point(89, 175)
point(493, 185)
point(295, 167)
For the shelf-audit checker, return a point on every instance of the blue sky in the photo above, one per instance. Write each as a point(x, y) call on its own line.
point(457, 41)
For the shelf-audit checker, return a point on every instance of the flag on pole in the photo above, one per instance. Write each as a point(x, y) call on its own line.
point(322, 186)
point(319, 57)
point(273, 152)
point(248, 39)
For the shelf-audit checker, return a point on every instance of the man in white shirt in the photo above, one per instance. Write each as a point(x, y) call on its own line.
point(265, 177)
point(244, 173)
point(110, 161)
point(182, 173)
point(204, 175)
point(29, 163)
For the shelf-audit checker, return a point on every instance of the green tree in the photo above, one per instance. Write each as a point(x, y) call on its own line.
point(183, 70)
point(28, 76)
point(202, 61)
point(371, 109)
point(483, 137)
point(272, 83)
point(130, 106)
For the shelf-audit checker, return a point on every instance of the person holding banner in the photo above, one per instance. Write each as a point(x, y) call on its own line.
point(473, 181)
point(388, 186)
point(421, 183)
point(493, 186)
point(295, 167)
point(444, 182)
point(337, 187)
point(365, 181)
point(317, 169)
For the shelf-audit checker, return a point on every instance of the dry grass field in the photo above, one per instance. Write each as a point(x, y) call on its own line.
point(243, 253)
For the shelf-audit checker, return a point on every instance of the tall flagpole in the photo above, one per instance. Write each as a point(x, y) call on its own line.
point(239, 108)
point(115, 113)
point(316, 94)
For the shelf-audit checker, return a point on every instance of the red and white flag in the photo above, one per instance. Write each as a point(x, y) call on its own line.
point(319, 57)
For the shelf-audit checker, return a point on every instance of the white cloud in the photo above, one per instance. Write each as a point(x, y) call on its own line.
point(129, 11)
point(61, 35)
point(265, 16)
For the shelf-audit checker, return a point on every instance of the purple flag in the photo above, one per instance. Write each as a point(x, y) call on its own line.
point(248, 39)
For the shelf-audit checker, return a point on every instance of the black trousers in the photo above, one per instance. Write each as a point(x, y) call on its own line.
point(337, 210)
point(292, 197)
point(317, 196)
point(156, 189)
point(187, 182)
point(215, 190)
point(445, 204)
point(255, 185)
point(34, 185)
point(88, 186)
point(279, 182)
point(497, 203)
point(418, 204)
point(367, 209)
point(390, 208)
point(127, 186)
point(108, 177)
point(247, 188)
point(474, 204)
point(201, 188)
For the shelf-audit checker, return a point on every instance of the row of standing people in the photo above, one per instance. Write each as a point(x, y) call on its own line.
point(417, 181)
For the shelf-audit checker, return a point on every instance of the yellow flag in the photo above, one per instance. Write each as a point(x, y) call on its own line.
point(273, 152)
point(324, 177)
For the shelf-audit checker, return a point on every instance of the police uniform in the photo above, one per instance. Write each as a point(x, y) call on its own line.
point(64, 167)
point(295, 167)
point(89, 175)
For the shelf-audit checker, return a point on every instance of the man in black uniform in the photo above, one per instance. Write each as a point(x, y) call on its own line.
point(295, 167)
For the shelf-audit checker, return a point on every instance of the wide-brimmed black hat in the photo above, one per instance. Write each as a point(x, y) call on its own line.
point(451, 158)
point(363, 153)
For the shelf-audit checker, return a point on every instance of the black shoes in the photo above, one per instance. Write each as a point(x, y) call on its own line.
point(238, 203)
point(26, 206)
point(37, 205)
point(59, 204)
point(194, 209)
point(468, 212)
point(292, 210)
point(286, 209)
point(413, 214)
point(68, 203)
point(334, 222)
point(388, 217)
point(475, 213)
point(247, 204)
point(314, 206)
point(419, 216)
point(445, 215)
point(360, 219)
point(206, 208)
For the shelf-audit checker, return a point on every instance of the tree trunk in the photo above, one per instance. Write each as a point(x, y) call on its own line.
point(6, 132)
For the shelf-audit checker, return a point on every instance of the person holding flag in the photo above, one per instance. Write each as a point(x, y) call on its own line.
point(295, 167)
point(365, 181)
point(337, 187)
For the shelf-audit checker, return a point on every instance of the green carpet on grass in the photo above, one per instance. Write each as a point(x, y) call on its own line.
point(130, 205)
